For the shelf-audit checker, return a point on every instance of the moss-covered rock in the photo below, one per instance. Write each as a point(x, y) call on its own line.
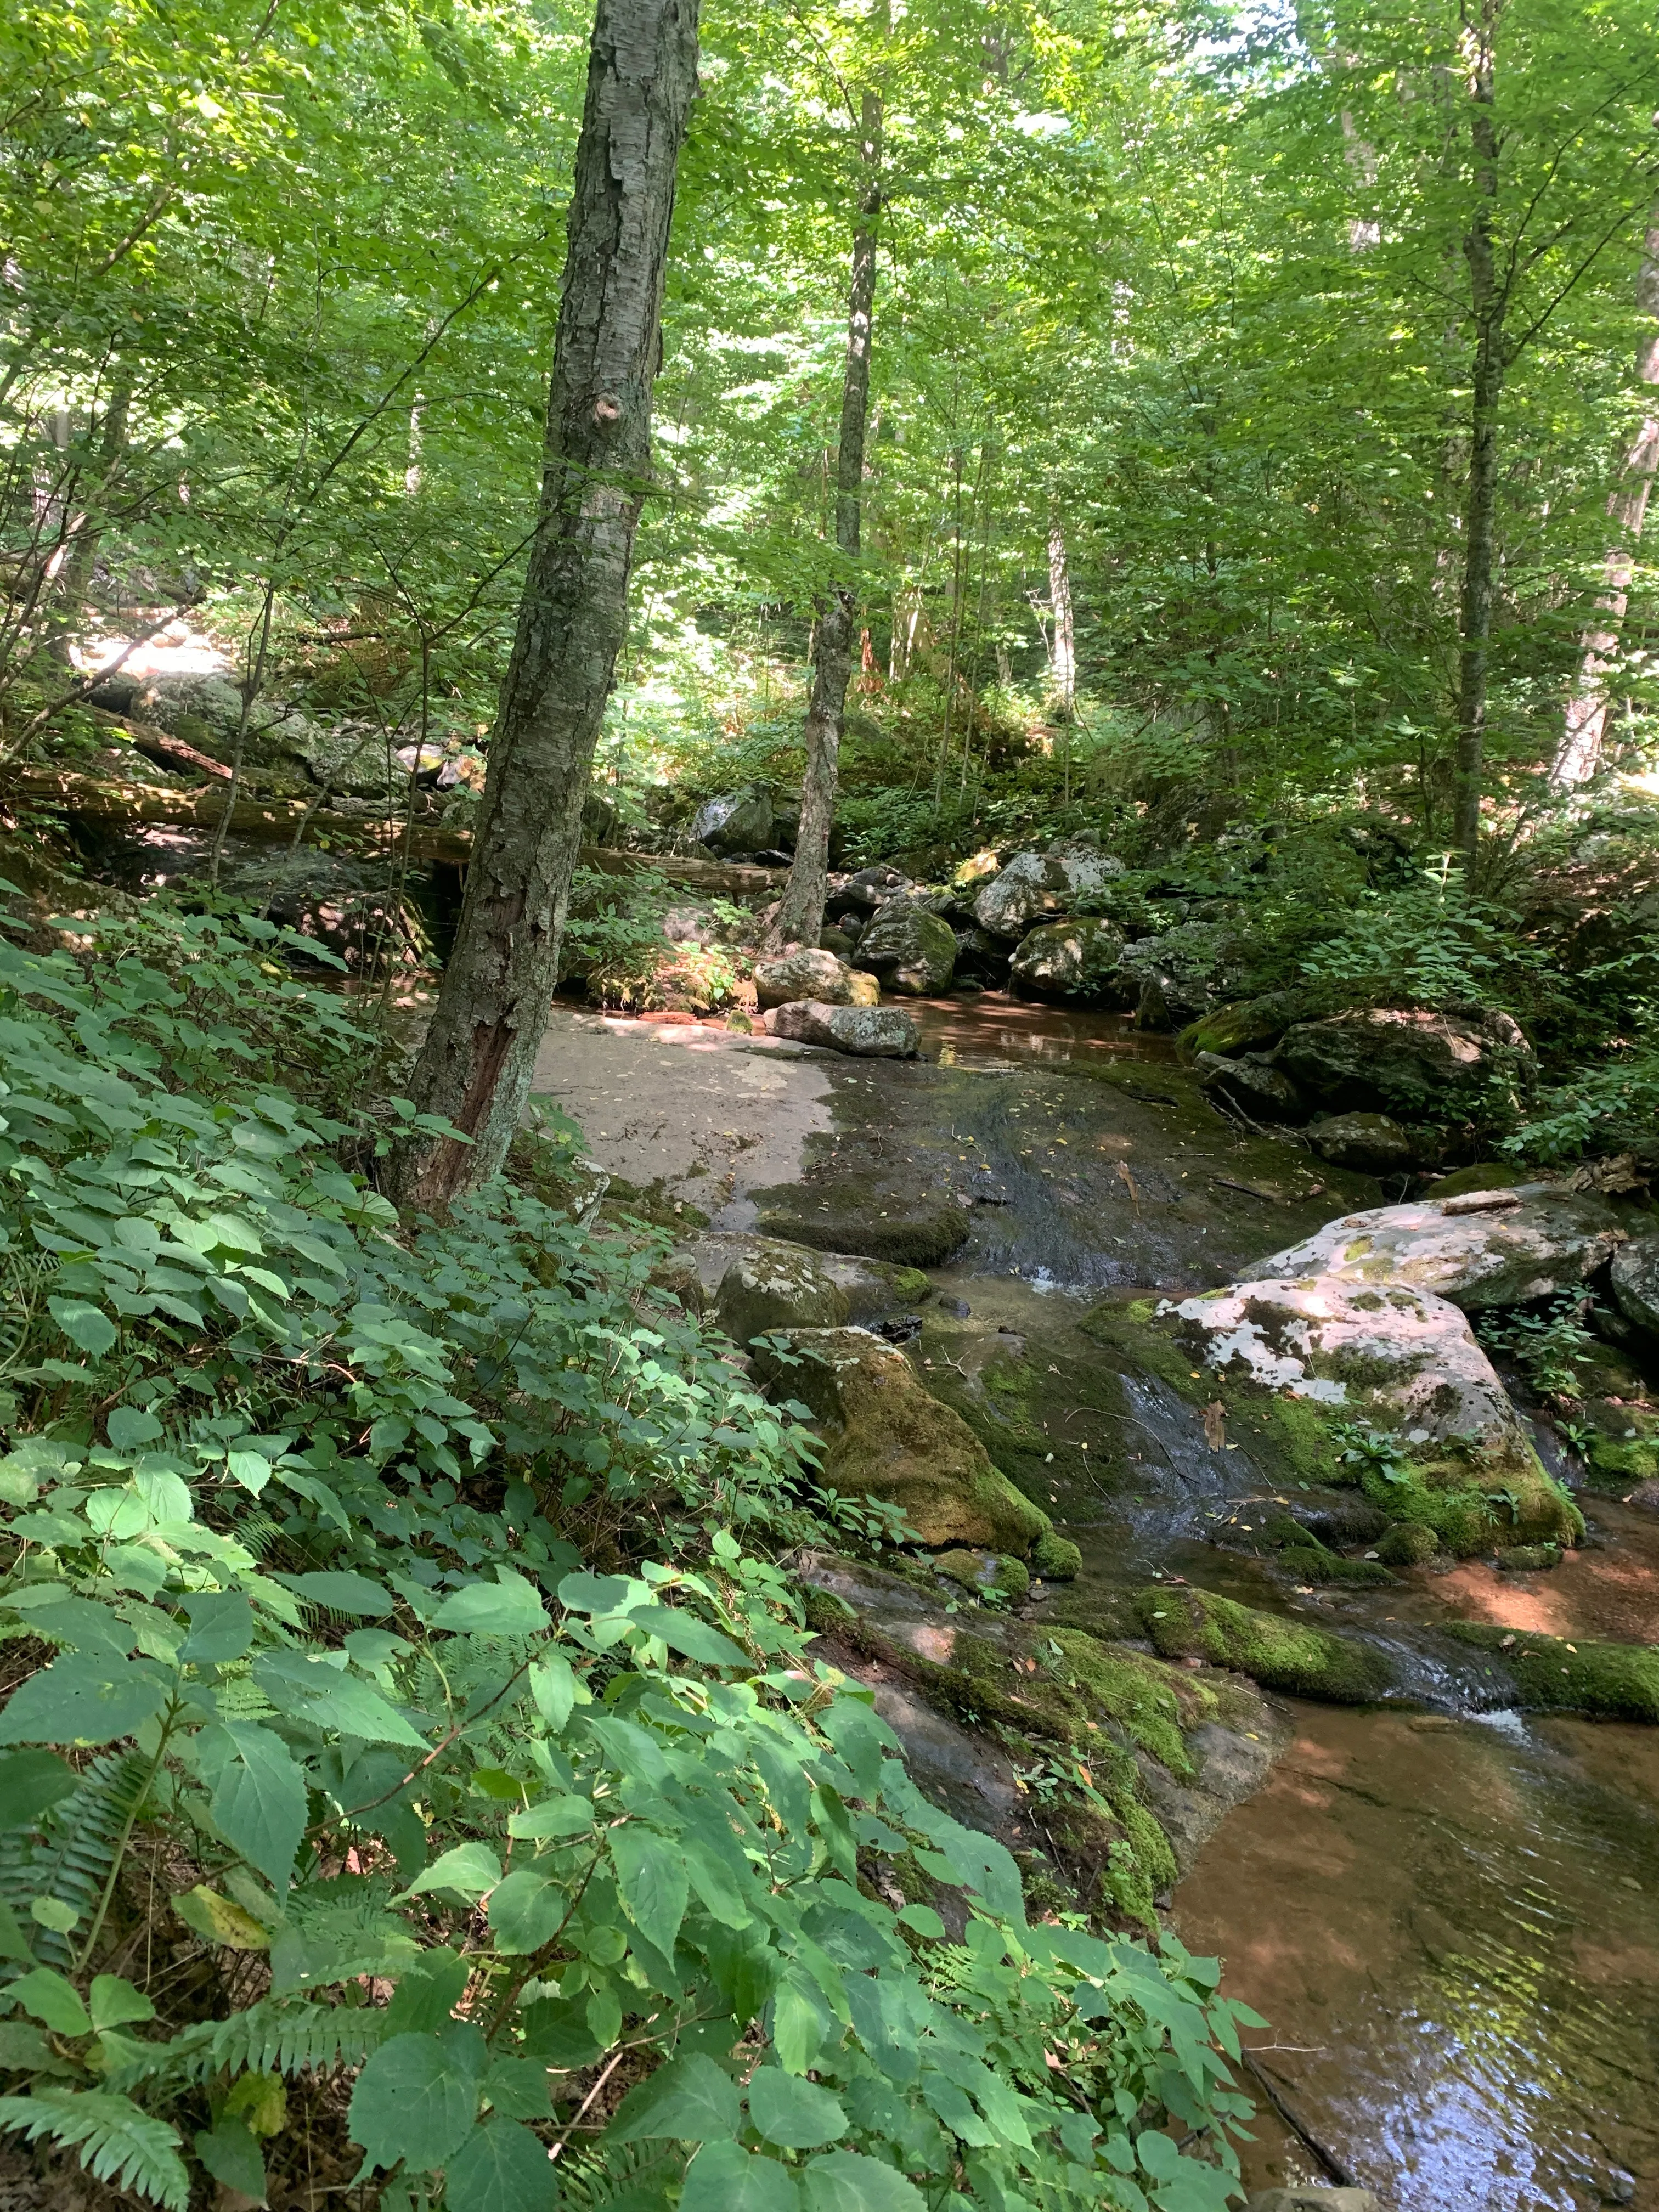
point(1529, 1558)
point(991, 1574)
point(1311, 1563)
point(1407, 1544)
point(887, 1437)
point(1615, 1681)
point(1056, 1558)
point(1253, 1024)
point(861, 1214)
point(1484, 1175)
point(1280, 1654)
point(773, 1285)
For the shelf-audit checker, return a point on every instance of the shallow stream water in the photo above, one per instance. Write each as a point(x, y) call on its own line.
point(1448, 1913)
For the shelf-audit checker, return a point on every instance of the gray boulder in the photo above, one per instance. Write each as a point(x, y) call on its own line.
point(1173, 978)
point(981, 955)
point(1371, 1142)
point(866, 1032)
point(1521, 1244)
point(773, 1285)
point(813, 973)
point(1075, 960)
point(1634, 1281)
point(1412, 1062)
point(1262, 1092)
point(212, 702)
point(911, 950)
point(737, 821)
point(1036, 887)
point(864, 890)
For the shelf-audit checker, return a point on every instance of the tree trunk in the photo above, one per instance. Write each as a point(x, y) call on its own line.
point(1062, 651)
point(799, 917)
point(1481, 505)
point(87, 529)
point(475, 1067)
point(1579, 753)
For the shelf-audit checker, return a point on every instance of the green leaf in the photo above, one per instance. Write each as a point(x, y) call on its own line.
point(216, 1920)
point(501, 2167)
point(516, 2088)
point(651, 1879)
point(725, 2178)
point(798, 2024)
point(925, 1921)
point(50, 1997)
point(526, 1909)
point(585, 1593)
point(132, 1427)
point(416, 2098)
point(114, 2002)
point(796, 2115)
point(259, 1802)
point(471, 1870)
point(341, 1591)
point(691, 2099)
point(52, 1913)
point(508, 1606)
point(85, 1698)
point(306, 1687)
point(232, 2156)
point(563, 1814)
point(553, 1684)
point(428, 1990)
point(87, 1328)
point(13, 1943)
point(684, 1632)
point(847, 2181)
point(221, 1628)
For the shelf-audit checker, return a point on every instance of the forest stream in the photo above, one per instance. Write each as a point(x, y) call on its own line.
point(1447, 1912)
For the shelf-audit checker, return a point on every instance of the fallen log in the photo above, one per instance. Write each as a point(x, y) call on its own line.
point(124, 798)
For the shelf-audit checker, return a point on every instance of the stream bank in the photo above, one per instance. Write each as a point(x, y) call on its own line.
point(1448, 1911)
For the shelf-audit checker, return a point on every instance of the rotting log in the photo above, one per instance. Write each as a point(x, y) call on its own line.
point(124, 798)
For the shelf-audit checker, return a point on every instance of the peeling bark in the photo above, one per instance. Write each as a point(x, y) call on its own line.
point(475, 1067)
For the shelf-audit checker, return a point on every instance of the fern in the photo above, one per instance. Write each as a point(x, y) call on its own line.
point(599, 2175)
point(115, 2140)
point(70, 1854)
point(272, 2036)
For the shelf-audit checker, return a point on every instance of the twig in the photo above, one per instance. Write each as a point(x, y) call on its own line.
point(610, 2069)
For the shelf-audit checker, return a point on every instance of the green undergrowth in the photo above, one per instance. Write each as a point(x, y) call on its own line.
point(409, 1737)
point(1615, 1681)
point(1281, 1655)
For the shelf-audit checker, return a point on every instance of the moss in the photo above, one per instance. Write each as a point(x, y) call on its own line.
point(1251, 1024)
point(1486, 1175)
point(1471, 1498)
point(1529, 1558)
point(1407, 1544)
point(1615, 1681)
point(864, 1215)
point(1056, 1558)
point(911, 1285)
point(993, 1571)
point(1280, 1654)
point(1311, 1563)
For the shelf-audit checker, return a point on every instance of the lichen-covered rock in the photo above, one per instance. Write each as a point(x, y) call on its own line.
point(1292, 1655)
point(1372, 1142)
point(865, 1032)
point(1404, 1366)
point(1419, 1065)
point(887, 1437)
point(773, 1285)
point(737, 821)
point(1528, 1244)
point(1075, 960)
point(813, 973)
point(991, 1574)
point(1615, 1681)
point(1036, 886)
point(1266, 1093)
point(1635, 1282)
point(909, 948)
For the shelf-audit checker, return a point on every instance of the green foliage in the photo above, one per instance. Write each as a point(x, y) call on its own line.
point(1551, 1348)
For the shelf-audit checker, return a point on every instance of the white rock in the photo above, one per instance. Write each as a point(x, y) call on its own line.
point(867, 1032)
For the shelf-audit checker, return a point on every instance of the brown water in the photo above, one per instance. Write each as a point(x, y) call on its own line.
point(1449, 1917)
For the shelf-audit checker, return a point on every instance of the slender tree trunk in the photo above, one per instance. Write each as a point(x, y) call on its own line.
point(1579, 754)
point(475, 1067)
point(799, 917)
point(1481, 505)
point(1062, 651)
point(87, 529)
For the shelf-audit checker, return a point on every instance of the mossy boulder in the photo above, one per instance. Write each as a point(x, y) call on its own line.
point(911, 950)
point(1407, 1544)
point(864, 1032)
point(1311, 1563)
point(986, 1574)
point(1529, 1558)
point(1075, 961)
point(1252, 1024)
point(773, 1285)
point(1411, 1061)
point(1615, 1681)
point(1280, 1654)
point(1056, 1558)
point(813, 973)
point(1370, 1141)
point(1484, 1175)
point(886, 1437)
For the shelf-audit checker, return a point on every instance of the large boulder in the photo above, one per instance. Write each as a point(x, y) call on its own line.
point(866, 1032)
point(737, 821)
point(1371, 1142)
point(1418, 1065)
point(813, 973)
point(911, 950)
point(1635, 1280)
point(886, 1438)
point(1391, 1386)
point(1036, 887)
point(864, 890)
point(1172, 978)
point(773, 1285)
point(1478, 1250)
point(1075, 960)
point(1256, 1088)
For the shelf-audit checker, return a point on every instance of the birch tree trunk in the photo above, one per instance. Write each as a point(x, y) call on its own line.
point(799, 918)
point(475, 1067)
point(1579, 754)
point(1062, 651)
point(1481, 503)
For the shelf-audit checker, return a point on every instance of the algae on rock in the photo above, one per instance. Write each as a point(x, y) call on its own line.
point(1281, 1655)
point(1615, 1681)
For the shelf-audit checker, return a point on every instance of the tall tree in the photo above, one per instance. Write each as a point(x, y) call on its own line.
point(801, 912)
point(475, 1067)
point(1585, 723)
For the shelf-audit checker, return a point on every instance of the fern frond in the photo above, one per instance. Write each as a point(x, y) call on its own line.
point(273, 2037)
point(69, 1855)
point(113, 2140)
point(598, 2176)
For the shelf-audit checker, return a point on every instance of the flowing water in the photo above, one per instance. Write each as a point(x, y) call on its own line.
point(1448, 1913)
